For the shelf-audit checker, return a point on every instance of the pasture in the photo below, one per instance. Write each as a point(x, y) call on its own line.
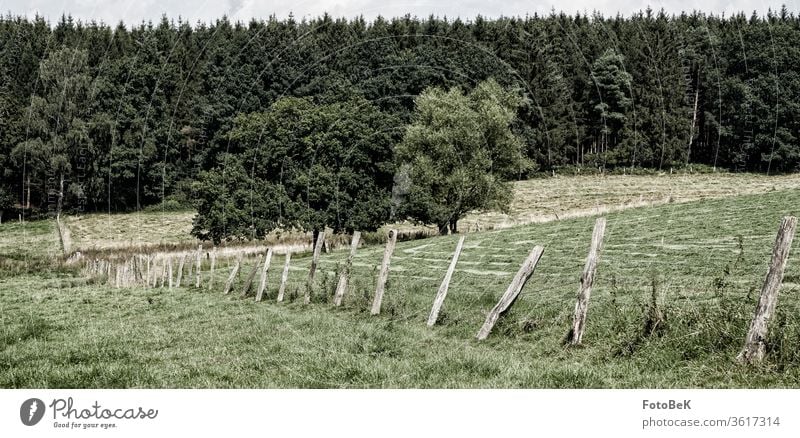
point(691, 253)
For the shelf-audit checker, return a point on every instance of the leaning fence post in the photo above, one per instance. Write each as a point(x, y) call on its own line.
point(587, 281)
point(232, 277)
point(754, 345)
point(384, 273)
point(313, 269)
point(442, 292)
point(284, 276)
point(344, 276)
point(248, 284)
point(513, 291)
point(262, 285)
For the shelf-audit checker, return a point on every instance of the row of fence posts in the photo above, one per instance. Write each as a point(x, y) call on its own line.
point(157, 271)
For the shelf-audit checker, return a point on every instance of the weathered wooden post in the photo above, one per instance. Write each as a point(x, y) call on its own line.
point(442, 292)
point(344, 276)
point(513, 291)
point(163, 271)
point(248, 284)
point(284, 276)
point(118, 277)
point(181, 264)
point(169, 266)
point(754, 345)
point(197, 263)
point(313, 269)
point(211, 268)
point(575, 335)
point(147, 279)
point(262, 285)
point(232, 277)
point(383, 275)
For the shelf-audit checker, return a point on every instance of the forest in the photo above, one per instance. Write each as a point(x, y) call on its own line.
point(96, 117)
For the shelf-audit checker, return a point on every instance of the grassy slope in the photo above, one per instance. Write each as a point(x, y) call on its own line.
point(536, 200)
point(58, 334)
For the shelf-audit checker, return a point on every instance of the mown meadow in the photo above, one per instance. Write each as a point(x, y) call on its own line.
point(676, 288)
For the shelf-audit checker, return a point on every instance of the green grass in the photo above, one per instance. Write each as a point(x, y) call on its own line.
point(707, 260)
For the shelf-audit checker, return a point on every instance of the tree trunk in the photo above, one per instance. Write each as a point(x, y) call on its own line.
point(443, 227)
point(60, 195)
point(454, 226)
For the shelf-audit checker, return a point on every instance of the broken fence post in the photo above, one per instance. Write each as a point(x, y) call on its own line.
point(262, 285)
point(383, 275)
point(313, 269)
point(754, 345)
point(441, 294)
point(587, 281)
point(284, 276)
point(344, 276)
point(513, 291)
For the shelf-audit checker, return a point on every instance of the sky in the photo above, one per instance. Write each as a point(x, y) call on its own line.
point(136, 11)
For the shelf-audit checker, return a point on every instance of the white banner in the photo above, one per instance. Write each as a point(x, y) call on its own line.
point(402, 413)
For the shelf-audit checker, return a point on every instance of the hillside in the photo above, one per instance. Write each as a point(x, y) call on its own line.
point(702, 262)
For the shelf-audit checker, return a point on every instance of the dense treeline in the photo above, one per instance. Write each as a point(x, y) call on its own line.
point(123, 118)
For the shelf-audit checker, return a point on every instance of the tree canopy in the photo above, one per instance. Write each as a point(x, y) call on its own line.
point(301, 165)
point(457, 154)
point(150, 107)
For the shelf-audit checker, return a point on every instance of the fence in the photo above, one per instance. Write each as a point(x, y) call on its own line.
point(158, 270)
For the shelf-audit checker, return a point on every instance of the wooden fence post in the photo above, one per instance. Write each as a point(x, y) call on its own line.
point(313, 269)
point(262, 285)
point(587, 281)
point(181, 263)
point(248, 284)
point(513, 291)
point(211, 269)
point(198, 261)
point(147, 279)
point(169, 265)
point(442, 292)
point(284, 276)
point(383, 275)
point(232, 277)
point(344, 276)
point(754, 345)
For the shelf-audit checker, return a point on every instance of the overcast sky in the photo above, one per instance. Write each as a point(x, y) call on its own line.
point(134, 11)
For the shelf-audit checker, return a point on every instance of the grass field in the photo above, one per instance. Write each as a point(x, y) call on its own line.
point(700, 264)
point(535, 201)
